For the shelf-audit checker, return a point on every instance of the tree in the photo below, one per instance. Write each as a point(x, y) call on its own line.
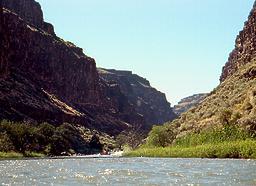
point(160, 136)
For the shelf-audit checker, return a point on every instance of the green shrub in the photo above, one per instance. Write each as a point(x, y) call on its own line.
point(5, 143)
point(160, 136)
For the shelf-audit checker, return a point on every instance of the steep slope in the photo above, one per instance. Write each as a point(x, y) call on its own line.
point(187, 103)
point(233, 102)
point(147, 101)
point(45, 79)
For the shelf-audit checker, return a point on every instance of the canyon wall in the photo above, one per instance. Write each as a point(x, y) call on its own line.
point(187, 103)
point(46, 79)
point(245, 47)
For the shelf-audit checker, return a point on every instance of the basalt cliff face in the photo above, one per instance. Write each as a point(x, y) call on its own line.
point(46, 79)
point(187, 103)
point(245, 47)
point(150, 103)
point(30, 11)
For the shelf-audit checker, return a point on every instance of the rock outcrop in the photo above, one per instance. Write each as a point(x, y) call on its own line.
point(187, 103)
point(147, 101)
point(30, 11)
point(245, 47)
point(45, 79)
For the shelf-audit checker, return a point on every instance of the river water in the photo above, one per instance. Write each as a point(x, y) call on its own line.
point(127, 171)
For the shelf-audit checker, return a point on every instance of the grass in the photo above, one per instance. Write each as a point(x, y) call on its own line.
point(226, 142)
point(34, 155)
point(17, 155)
point(228, 133)
point(7, 155)
point(231, 149)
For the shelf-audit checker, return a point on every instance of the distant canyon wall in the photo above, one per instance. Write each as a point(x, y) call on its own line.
point(187, 103)
point(147, 101)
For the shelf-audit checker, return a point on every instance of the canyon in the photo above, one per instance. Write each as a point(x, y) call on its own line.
point(46, 79)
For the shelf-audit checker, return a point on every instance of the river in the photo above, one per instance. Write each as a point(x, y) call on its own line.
point(128, 171)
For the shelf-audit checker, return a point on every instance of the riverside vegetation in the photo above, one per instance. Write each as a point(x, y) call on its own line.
point(22, 139)
point(226, 142)
point(38, 140)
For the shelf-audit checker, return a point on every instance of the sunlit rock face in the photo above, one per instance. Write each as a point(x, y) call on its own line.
point(245, 47)
point(148, 102)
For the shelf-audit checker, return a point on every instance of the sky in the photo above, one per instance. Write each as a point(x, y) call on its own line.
point(180, 46)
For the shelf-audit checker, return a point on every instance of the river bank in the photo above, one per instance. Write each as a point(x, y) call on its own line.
point(233, 149)
point(16, 155)
point(7, 155)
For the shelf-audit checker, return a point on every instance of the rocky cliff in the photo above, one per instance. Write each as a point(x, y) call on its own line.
point(147, 101)
point(46, 79)
point(30, 11)
point(187, 103)
point(245, 47)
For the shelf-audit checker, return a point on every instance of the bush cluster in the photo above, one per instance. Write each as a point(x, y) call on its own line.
point(44, 138)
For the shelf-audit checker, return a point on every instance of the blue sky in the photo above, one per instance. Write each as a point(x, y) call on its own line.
point(180, 46)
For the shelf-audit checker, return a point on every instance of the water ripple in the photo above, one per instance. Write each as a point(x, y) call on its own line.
point(128, 171)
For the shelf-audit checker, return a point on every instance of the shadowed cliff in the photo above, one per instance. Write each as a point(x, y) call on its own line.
point(147, 101)
point(46, 79)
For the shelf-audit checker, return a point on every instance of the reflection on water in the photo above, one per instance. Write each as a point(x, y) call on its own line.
point(127, 171)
